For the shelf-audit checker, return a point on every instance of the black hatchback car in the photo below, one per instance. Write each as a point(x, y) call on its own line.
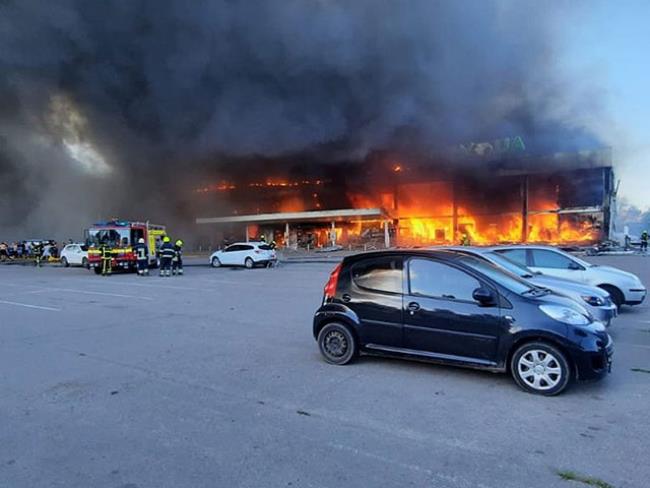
point(446, 307)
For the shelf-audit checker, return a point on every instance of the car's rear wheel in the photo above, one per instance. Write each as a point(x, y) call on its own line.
point(337, 344)
point(215, 262)
point(539, 367)
point(65, 262)
point(615, 293)
point(249, 263)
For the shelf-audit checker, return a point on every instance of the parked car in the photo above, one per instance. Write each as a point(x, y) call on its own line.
point(74, 255)
point(248, 254)
point(450, 308)
point(596, 300)
point(625, 288)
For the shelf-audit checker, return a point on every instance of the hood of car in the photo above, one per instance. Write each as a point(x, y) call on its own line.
point(614, 271)
point(563, 284)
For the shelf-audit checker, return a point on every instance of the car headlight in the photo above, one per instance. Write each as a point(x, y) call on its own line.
point(564, 314)
point(594, 301)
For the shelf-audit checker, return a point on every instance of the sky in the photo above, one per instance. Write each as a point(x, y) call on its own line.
point(610, 41)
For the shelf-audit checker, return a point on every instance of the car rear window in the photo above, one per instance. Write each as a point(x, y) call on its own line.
point(379, 274)
point(265, 247)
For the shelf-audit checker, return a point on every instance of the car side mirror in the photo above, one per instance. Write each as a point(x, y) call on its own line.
point(484, 296)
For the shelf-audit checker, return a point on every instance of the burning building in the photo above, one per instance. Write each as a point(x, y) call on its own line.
point(486, 197)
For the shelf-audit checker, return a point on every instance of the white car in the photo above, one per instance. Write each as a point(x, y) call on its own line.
point(248, 254)
point(75, 255)
point(625, 288)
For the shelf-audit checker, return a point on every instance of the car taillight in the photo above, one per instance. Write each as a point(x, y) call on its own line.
point(330, 286)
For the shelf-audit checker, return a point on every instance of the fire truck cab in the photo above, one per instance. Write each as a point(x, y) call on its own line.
point(120, 236)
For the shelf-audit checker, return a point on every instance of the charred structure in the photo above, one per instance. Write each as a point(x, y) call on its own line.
point(563, 198)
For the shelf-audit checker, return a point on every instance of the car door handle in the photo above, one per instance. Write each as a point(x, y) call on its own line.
point(346, 298)
point(413, 307)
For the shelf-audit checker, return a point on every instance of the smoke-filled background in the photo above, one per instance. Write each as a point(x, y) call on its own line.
point(116, 108)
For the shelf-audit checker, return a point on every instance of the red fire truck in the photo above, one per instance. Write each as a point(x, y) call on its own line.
point(120, 236)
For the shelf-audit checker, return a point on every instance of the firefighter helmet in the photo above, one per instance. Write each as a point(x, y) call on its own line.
point(179, 242)
point(166, 239)
point(141, 240)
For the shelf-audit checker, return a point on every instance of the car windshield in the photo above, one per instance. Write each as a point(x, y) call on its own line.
point(505, 278)
point(515, 268)
point(110, 237)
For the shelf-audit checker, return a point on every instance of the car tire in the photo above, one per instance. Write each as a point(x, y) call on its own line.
point(84, 263)
point(249, 263)
point(540, 368)
point(215, 262)
point(337, 344)
point(615, 293)
point(97, 270)
point(65, 262)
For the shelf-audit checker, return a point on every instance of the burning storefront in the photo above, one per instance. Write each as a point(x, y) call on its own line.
point(392, 201)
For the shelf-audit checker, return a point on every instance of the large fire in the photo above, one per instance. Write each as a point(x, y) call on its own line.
point(423, 213)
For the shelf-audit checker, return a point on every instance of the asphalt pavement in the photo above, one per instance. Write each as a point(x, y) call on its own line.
point(213, 379)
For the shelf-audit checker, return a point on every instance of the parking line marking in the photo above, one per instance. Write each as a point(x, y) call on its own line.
point(71, 290)
point(26, 305)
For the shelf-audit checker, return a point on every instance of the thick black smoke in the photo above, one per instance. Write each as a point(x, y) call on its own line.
point(111, 107)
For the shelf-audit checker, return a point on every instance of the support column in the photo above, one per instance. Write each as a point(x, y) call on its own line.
point(286, 234)
point(386, 235)
point(333, 234)
point(247, 233)
point(524, 209)
point(454, 217)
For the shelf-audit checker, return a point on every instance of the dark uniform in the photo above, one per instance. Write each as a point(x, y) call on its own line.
point(142, 258)
point(644, 241)
point(167, 254)
point(107, 259)
point(177, 262)
point(37, 251)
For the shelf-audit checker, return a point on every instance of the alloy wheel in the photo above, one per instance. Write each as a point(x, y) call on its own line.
point(335, 344)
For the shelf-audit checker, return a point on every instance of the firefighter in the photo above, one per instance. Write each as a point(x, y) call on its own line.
point(177, 262)
point(262, 238)
point(273, 245)
point(107, 259)
point(464, 240)
point(644, 241)
point(37, 252)
point(142, 257)
point(167, 254)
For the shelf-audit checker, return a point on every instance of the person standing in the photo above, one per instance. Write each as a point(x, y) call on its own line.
point(167, 254)
point(644, 241)
point(142, 257)
point(37, 252)
point(107, 259)
point(177, 262)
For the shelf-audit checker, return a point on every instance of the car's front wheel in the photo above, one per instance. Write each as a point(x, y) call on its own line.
point(337, 344)
point(65, 262)
point(615, 294)
point(215, 262)
point(539, 367)
point(249, 263)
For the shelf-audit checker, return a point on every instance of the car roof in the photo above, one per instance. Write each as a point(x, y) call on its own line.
point(249, 243)
point(442, 254)
point(523, 246)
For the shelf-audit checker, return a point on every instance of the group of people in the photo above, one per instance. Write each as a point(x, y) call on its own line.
point(35, 250)
point(170, 257)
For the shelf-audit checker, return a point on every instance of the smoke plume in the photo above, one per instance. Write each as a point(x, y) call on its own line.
point(113, 107)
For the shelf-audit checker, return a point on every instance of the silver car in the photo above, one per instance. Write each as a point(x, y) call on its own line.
point(596, 300)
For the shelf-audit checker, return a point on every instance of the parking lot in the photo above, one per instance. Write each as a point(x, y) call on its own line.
point(213, 379)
